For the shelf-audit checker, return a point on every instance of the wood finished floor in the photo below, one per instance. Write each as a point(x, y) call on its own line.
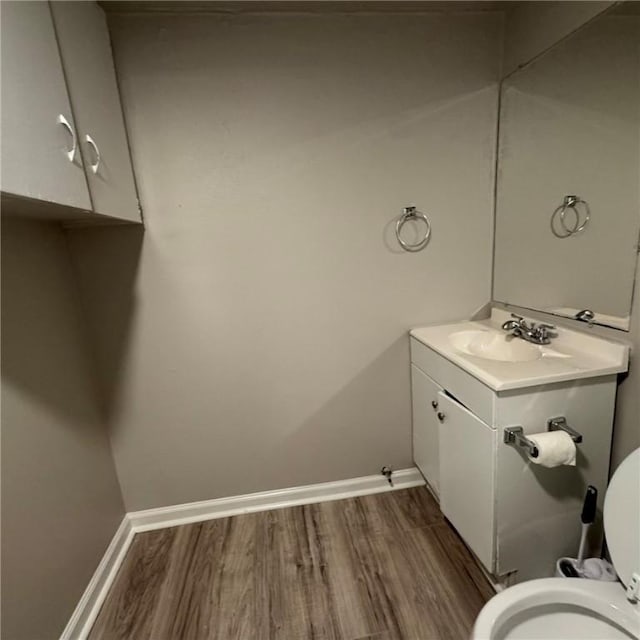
point(380, 567)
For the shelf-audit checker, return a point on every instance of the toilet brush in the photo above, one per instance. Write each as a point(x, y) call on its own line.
point(573, 567)
point(581, 567)
point(587, 517)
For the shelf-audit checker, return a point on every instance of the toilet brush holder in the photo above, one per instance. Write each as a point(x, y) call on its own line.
point(566, 568)
point(590, 569)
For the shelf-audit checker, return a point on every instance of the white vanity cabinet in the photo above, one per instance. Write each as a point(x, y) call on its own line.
point(454, 450)
point(425, 405)
point(63, 135)
point(467, 472)
point(517, 517)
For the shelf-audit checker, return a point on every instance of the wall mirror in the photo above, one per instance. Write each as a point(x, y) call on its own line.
point(570, 143)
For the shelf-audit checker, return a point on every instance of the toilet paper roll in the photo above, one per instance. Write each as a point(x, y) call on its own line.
point(555, 448)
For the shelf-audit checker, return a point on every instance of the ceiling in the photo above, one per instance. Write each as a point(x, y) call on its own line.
point(301, 6)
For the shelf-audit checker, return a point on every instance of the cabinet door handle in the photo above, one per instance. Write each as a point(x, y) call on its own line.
point(441, 416)
point(70, 153)
point(90, 141)
point(434, 404)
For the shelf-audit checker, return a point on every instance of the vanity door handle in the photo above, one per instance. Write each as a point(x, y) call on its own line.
point(434, 404)
point(96, 152)
point(70, 153)
point(441, 416)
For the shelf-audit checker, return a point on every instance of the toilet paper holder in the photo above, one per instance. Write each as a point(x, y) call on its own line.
point(515, 435)
point(560, 424)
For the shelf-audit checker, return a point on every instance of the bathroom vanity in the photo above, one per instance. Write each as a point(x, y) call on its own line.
point(471, 381)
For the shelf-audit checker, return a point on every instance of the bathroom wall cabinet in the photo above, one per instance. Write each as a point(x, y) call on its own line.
point(515, 516)
point(63, 134)
point(34, 103)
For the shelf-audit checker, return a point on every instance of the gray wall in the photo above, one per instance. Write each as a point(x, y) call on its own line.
point(533, 27)
point(265, 339)
point(61, 502)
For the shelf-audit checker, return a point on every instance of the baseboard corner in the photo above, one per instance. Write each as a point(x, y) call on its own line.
point(87, 609)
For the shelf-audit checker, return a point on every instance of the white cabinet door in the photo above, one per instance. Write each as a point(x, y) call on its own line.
point(36, 142)
point(85, 48)
point(424, 398)
point(467, 466)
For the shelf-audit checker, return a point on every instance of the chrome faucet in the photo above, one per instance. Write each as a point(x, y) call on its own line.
point(535, 333)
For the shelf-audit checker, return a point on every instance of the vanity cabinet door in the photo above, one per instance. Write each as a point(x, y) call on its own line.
point(85, 48)
point(40, 158)
point(467, 472)
point(424, 398)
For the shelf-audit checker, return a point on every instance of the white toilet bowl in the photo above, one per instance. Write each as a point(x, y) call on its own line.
point(559, 609)
point(566, 608)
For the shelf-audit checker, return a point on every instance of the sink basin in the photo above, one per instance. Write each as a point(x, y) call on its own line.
point(502, 362)
point(492, 345)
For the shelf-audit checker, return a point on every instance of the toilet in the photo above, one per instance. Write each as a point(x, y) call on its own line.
point(565, 608)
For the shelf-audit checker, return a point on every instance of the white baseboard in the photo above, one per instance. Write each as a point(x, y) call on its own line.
point(87, 610)
point(265, 500)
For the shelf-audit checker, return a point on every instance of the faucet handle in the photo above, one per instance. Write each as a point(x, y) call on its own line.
point(586, 315)
point(542, 331)
point(516, 316)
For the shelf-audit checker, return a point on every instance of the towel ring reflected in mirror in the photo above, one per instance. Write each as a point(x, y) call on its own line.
point(412, 213)
point(579, 208)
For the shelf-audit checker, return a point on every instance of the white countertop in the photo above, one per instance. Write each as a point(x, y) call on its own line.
point(586, 356)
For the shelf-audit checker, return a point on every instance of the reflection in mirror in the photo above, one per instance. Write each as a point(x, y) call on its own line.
point(568, 193)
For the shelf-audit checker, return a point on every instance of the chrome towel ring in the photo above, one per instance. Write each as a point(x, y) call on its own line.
point(582, 214)
point(411, 213)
